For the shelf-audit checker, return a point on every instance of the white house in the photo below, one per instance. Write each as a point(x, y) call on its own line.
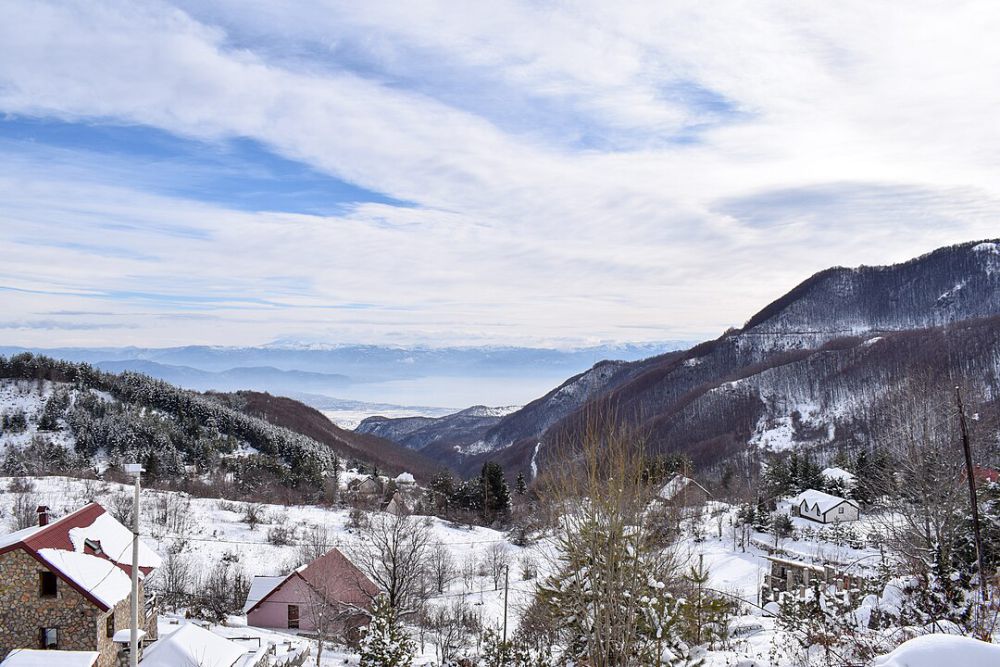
point(824, 508)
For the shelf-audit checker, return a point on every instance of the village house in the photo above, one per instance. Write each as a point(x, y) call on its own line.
point(329, 590)
point(836, 475)
point(366, 490)
point(824, 508)
point(682, 491)
point(66, 585)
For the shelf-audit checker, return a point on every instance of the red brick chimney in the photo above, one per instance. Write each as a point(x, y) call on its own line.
point(43, 515)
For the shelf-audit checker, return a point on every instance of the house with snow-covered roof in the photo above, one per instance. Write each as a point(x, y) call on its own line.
point(824, 508)
point(682, 491)
point(193, 645)
point(834, 474)
point(65, 585)
point(329, 591)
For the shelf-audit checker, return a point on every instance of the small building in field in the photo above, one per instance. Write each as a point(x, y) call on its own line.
point(193, 645)
point(66, 585)
point(824, 508)
point(331, 590)
point(682, 491)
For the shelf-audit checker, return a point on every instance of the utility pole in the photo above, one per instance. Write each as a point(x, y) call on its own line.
point(506, 587)
point(133, 645)
point(970, 475)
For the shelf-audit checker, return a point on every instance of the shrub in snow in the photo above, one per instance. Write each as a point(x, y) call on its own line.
point(514, 652)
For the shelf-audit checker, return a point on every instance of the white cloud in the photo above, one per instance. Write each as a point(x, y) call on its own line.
point(515, 234)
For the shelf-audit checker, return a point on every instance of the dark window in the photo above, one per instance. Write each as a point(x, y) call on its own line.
point(49, 638)
point(293, 616)
point(47, 587)
point(111, 624)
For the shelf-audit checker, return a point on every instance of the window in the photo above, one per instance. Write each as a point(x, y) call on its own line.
point(95, 546)
point(840, 511)
point(49, 638)
point(111, 624)
point(47, 586)
point(293, 616)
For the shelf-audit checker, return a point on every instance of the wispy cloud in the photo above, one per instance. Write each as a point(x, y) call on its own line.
point(512, 172)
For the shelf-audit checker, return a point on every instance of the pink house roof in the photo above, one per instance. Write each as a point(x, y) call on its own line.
point(88, 549)
point(331, 575)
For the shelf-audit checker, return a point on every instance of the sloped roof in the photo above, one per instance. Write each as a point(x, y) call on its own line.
point(677, 484)
point(817, 499)
point(846, 477)
point(28, 657)
point(331, 570)
point(193, 645)
point(260, 588)
point(66, 546)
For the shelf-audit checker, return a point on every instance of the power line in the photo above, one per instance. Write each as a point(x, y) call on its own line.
point(307, 544)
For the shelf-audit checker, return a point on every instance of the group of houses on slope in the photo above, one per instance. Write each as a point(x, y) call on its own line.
point(66, 591)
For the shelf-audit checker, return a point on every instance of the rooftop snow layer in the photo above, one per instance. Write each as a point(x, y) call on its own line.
point(115, 540)
point(259, 589)
point(26, 657)
point(824, 501)
point(101, 578)
point(839, 473)
point(937, 650)
point(192, 645)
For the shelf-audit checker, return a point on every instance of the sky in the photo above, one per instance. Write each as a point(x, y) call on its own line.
point(455, 173)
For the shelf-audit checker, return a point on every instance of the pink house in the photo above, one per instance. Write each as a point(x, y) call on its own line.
point(329, 594)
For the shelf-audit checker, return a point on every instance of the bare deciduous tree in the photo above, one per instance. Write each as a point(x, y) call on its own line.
point(497, 562)
point(442, 567)
point(393, 555)
point(24, 512)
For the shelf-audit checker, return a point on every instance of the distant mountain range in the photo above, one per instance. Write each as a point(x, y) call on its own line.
point(820, 367)
point(391, 376)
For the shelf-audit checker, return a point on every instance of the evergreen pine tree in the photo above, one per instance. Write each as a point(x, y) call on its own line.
point(385, 643)
point(520, 487)
point(496, 493)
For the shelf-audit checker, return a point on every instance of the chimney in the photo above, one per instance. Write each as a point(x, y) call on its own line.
point(43, 515)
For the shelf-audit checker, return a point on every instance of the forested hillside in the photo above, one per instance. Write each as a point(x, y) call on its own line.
point(59, 416)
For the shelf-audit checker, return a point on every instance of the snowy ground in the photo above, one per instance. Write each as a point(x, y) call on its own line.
point(210, 530)
point(206, 531)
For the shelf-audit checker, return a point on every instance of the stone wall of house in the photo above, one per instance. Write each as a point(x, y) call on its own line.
point(24, 612)
point(82, 625)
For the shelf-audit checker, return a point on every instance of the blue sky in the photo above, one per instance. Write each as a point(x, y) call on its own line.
point(439, 173)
